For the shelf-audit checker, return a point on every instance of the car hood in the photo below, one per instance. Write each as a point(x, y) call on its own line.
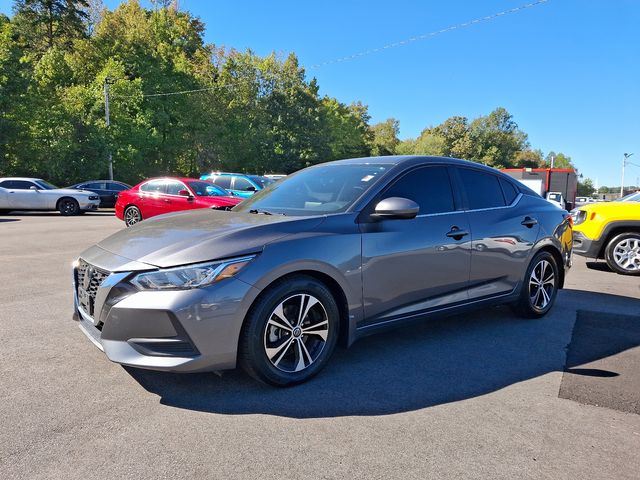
point(602, 206)
point(198, 236)
point(70, 191)
point(220, 200)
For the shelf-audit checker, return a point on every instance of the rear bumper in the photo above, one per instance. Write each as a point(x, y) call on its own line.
point(582, 245)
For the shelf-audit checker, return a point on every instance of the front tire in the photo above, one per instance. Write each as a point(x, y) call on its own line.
point(68, 207)
point(290, 332)
point(132, 215)
point(540, 286)
point(622, 253)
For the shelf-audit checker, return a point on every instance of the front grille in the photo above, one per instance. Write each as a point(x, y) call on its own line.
point(88, 279)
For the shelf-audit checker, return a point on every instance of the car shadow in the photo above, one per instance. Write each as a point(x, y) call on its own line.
point(21, 213)
point(9, 220)
point(599, 266)
point(417, 366)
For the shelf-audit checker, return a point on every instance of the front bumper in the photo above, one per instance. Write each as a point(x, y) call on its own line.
point(179, 330)
point(89, 205)
point(583, 245)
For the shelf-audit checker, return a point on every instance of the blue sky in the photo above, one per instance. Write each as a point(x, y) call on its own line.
point(568, 70)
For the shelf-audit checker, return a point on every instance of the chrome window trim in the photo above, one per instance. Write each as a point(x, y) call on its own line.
point(513, 204)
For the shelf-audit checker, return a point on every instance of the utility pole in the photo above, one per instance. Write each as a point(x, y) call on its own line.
point(624, 164)
point(107, 82)
point(553, 159)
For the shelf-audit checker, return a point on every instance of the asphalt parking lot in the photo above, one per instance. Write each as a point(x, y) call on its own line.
point(484, 395)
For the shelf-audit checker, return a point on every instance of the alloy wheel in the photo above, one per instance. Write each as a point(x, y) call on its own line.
point(626, 254)
point(68, 207)
point(296, 333)
point(132, 216)
point(542, 283)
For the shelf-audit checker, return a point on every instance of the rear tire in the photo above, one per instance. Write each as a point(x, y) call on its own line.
point(132, 215)
point(281, 347)
point(68, 207)
point(622, 253)
point(539, 287)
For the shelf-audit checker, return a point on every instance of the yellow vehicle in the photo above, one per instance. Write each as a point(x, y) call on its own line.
point(610, 231)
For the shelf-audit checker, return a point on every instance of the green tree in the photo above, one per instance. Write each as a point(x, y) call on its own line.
point(560, 160)
point(585, 187)
point(497, 139)
point(385, 137)
point(528, 159)
point(45, 23)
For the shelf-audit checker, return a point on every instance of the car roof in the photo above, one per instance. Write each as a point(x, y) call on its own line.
point(410, 160)
point(181, 179)
point(105, 180)
point(28, 179)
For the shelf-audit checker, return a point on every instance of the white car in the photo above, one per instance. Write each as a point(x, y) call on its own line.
point(20, 193)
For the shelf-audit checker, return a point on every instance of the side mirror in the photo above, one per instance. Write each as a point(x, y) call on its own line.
point(396, 208)
point(33, 187)
point(250, 189)
point(184, 193)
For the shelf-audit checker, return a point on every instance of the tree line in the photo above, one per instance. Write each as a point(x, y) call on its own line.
point(242, 112)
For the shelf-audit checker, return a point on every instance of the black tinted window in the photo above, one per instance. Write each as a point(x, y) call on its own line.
point(21, 185)
point(154, 186)
point(483, 189)
point(94, 186)
point(224, 182)
point(6, 184)
point(117, 187)
point(429, 187)
point(240, 183)
point(510, 192)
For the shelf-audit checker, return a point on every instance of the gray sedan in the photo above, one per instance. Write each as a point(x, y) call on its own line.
point(330, 254)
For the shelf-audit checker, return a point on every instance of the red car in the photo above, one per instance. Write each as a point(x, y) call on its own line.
point(163, 195)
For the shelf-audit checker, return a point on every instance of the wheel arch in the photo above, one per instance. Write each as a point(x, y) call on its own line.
point(65, 197)
point(614, 229)
point(557, 256)
point(345, 333)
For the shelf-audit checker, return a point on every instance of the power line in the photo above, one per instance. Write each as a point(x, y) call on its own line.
point(363, 53)
point(426, 36)
point(181, 92)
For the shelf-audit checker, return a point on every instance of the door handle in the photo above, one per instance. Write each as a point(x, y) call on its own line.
point(456, 233)
point(529, 222)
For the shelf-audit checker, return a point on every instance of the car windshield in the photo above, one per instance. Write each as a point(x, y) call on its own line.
point(262, 181)
point(322, 189)
point(632, 197)
point(46, 185)
point(207, 189)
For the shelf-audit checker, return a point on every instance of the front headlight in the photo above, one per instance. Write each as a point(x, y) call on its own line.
point(578, 216)
point(190, 276)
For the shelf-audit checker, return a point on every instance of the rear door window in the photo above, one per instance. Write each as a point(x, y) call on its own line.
point(224, 181)
point(240, 183)
point(116, 187)
point(154, 186)
point(482, 189)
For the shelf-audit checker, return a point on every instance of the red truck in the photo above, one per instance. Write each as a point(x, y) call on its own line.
point(559, 185)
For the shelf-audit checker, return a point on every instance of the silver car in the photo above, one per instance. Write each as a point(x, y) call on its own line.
point(330, 254)
point(20, 193)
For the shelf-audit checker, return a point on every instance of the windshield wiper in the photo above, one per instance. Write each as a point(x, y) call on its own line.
point(262, 212)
